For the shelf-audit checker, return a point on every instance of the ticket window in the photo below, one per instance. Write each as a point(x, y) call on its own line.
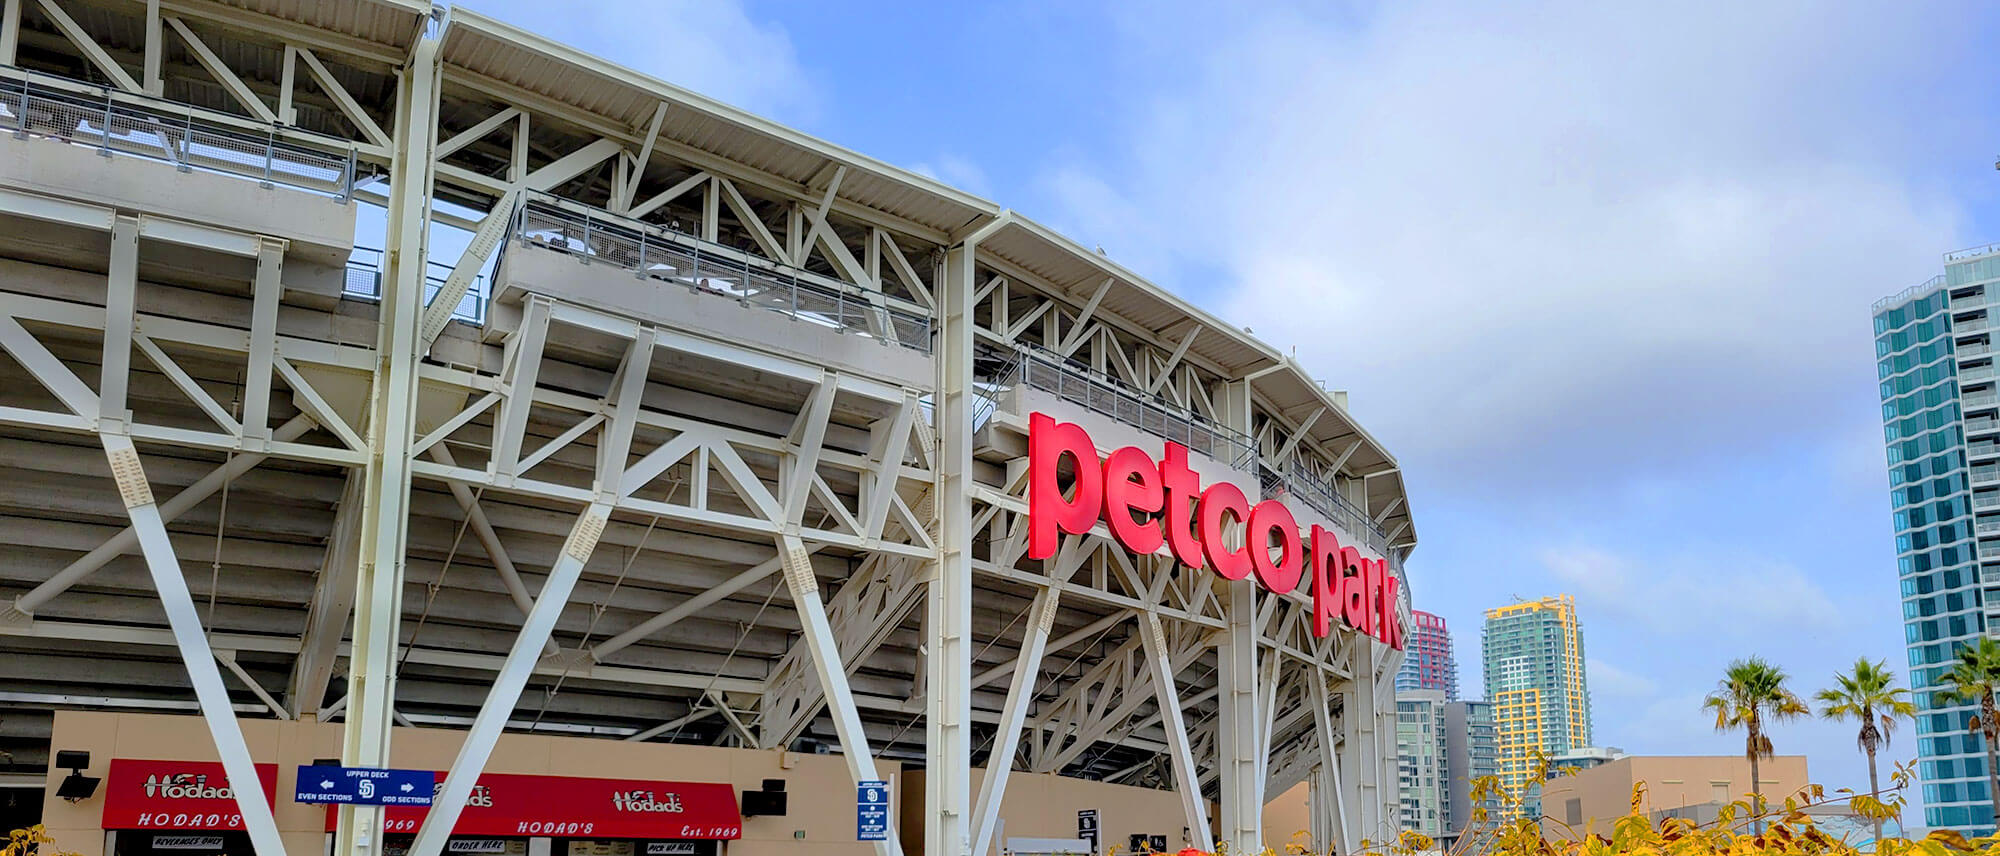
point(459, 845)
point(147, 842)
point(633, 847)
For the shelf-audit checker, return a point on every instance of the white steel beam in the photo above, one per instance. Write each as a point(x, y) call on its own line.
point(120, 310)
point(83, 42)
point(507, 685)
point(332, 603)
point(1187, 781)
point(265, 291)
point(692, 605)
point(348, 106)
point(128, 539)
point(10, 30)
point(232, 84)
point(1239, 725)
point(948, 711)
point(1007, 741)
point(392, 423)
point(216, 709)
point(818, 634)
point(1342, 830)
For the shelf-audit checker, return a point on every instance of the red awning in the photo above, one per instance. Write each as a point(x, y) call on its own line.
point(507, 804)
point(146, 794)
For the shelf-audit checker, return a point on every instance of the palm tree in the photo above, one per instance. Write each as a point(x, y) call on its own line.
point(1974, 677)
point(1862, 694)
point(1751, 694)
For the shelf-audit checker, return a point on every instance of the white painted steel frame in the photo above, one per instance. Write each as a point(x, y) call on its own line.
point(1258, 649)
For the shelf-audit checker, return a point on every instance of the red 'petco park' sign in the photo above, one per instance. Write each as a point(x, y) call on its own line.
point(504, 804)
point(196, 795)
point(1152, 505)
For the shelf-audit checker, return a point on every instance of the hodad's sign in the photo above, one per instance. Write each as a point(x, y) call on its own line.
point(1153, 505)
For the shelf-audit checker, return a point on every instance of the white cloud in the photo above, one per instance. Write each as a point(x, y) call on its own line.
point(712, 47)
point(1705, 595)
point(1606, 678)
point(1533, 237)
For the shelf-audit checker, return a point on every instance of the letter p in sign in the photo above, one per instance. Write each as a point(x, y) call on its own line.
point(871, 811)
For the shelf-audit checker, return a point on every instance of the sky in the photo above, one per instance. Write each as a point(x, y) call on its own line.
point(1599, 275)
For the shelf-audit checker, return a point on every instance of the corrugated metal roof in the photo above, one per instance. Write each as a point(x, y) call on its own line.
point(386, 22)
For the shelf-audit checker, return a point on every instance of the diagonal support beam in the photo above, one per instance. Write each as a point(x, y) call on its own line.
point(513, 677)
point(818, 633)
point(1187, 780)
point(1000, 763)
point(232, 84)
point(83, 42)
point(216, 709)
point(348, 106)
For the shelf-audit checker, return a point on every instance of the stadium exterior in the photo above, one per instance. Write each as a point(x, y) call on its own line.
point(659, 451)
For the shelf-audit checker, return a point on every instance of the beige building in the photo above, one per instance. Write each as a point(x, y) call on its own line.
point(1676, 786)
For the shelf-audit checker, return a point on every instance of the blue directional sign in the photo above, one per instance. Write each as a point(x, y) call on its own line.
point(364, 786)
point(871, 811)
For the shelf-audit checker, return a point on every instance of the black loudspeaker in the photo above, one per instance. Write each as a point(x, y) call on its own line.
point(77, 787)
point(775, 786)
point(72, 759)
point(763, 803)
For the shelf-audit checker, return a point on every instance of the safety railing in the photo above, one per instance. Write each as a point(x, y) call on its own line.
point(1909, 294)
point(1104, 394)
point(364, 279)
point(156, 131)
point(1320, 492)
point(656, 252)
point(1970, 252)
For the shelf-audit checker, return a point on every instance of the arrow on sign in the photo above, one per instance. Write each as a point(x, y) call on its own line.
point(407, 787)
point(325, 783)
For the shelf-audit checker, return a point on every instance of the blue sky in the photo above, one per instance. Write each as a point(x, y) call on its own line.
point(1599, 277)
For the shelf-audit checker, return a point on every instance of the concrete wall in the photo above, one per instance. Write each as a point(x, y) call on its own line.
point(320, 229)
point(528, 269)
point(1044, 805)
point(821, 802)
point(1603, 793)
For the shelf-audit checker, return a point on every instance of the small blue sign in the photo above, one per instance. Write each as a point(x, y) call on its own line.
point(364, 786)
point(871, 811)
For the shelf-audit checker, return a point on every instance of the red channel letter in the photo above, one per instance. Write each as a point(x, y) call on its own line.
point(1132, 483)
point(1049, 512)
point(1326, 579)
point(1183, 488)
point(1221, 499)
point(1283, 575)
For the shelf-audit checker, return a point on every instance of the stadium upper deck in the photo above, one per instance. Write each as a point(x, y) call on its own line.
point(704, 431)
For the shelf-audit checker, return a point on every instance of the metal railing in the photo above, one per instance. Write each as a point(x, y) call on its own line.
point(158, 132)
point(655, 252)
point(1985, 473)
point(1104, 394)
point(1982, 399)
point(1908, 294)
point(1323, 495)
point(1970, 252)
point(364, 279)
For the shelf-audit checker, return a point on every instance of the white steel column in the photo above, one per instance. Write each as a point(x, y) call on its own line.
point(1000, 762)
point(948, 630)
point(378, 603)
point(193, 643)
point(1360, 750)
point(818, 634)
point(1239, 725)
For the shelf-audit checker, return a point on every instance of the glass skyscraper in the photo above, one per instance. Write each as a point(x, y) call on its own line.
point(1934, 363)
point(1428, 663)
point(1533, 652)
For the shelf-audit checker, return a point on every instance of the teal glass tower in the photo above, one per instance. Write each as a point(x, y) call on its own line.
point(1934, 361)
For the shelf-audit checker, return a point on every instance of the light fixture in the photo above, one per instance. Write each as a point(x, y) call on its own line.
point(75, 787)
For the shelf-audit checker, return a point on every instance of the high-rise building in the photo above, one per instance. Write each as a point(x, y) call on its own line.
point(1933, 357)
point(1533, 652)
point(1471, 753)
point(1420, 755)
point(1427, 660)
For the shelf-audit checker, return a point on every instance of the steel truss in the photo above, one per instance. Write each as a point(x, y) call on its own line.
point(887, 491)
